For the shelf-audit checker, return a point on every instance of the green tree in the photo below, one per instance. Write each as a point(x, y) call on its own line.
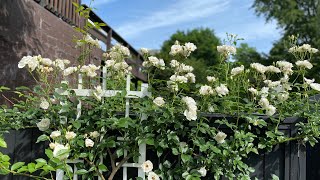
point(294, 17)
point(246, 55)
point(205, 55)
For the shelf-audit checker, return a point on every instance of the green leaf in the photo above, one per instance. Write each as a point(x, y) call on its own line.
point(23, 169)
point(43, 137)
point(102, 167)
point(41, 160)
point(81, 171)
point(3, 143)
point(185, 157)
point(17, 165)
point(119, 152)
point(31, 167)
point(175, 151)
point(150, 141)
point(49, 153)
point(5, 158)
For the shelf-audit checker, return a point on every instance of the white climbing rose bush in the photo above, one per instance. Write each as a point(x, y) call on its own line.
point(175, 120)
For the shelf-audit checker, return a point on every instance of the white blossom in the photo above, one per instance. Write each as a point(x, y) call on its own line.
point(237, 70)
point(191, 112)
point(44, 124)
point(206, 90)
point(46, 61)
point(259, 67)
point(270, 110)
point(109, 63)
point(283, 96)
point(55, 134)
point(98, 92)
point(285, 67)
point(304, 64)
point(153, 176)
point(264, 103)
point(159, 101)
point(222, 90)
point(308, 81)
point(89, 70)
point(147, 166)
point(175, 49)
point(144, 50)
point(272, 69)
point(94, 134)
point(253, 91)
point(61, 152)
point(220, 137)
point(211, 79)
point(70, 70)
point(315, 86)
point(191, 77)
point(264, 92)
point(88, 142)
point(44, 104)
point(52, 145)
point(203, 171)
point(225, 49)
point(174, 63)
point(70, 135)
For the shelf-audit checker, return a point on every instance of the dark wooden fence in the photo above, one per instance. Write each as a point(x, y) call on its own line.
point(289, 161)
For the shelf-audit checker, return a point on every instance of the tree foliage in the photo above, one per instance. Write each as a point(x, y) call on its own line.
point(206, 53)
point(295, 17)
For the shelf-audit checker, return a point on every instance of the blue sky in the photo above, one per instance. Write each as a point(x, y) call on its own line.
point(147, 23)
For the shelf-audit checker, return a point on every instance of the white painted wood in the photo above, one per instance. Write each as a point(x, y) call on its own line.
point(59, 174)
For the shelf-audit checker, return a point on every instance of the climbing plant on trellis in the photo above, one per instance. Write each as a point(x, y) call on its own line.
point(81, 92)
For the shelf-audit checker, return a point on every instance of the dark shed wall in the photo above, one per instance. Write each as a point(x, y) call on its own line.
point(26, 28)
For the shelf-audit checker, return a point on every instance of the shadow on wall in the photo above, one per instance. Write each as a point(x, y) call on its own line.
point(16, 40)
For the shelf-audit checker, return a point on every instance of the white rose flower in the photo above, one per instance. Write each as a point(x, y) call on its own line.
point(220, 137)
point(98, 92)
point(94, 134)
point(225, 49)
point(190, 46)
point(52, 145)
point(55, 134)
point(44, 124)
point(206, 90)
point(191, 77)
point(174, 63)
point(190, 115)
point(147, 166)
point(61, 152)
point(304, 64)
point(203, 171)
point(272, 69)
point(46, 61)
point(264, 92)
point(264, 103)
point(237, 70)
point(253, 91)
point(144, 50)
point(109, 63)
point(309, 81)
point(222, 90)
point(44, 104)
point(24, 61)
point(159, 101)
point(175, 49)
point(285, 67)
point(315, 86)
point(70, 135)
point(313, 50)
point(89, 142)
point(211, 79)
point(153, 176)
point(258, 67)
point(70, 70)
point(283, 96)
point(270, 110)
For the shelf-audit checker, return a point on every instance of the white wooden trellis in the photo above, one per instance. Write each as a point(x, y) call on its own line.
point(109, 93)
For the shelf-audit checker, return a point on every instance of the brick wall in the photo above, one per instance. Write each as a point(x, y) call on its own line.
point(26, 28)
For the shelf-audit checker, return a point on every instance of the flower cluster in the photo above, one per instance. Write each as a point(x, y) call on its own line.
point(147, 168)
point(88, 40)
point(90, 70)
point(116, 61)
point(226, 50)
point(191, 112)
point(184, 50)
point(182, 74)
point(155, 62)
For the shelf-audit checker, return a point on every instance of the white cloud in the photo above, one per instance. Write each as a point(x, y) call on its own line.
point(179, 12)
